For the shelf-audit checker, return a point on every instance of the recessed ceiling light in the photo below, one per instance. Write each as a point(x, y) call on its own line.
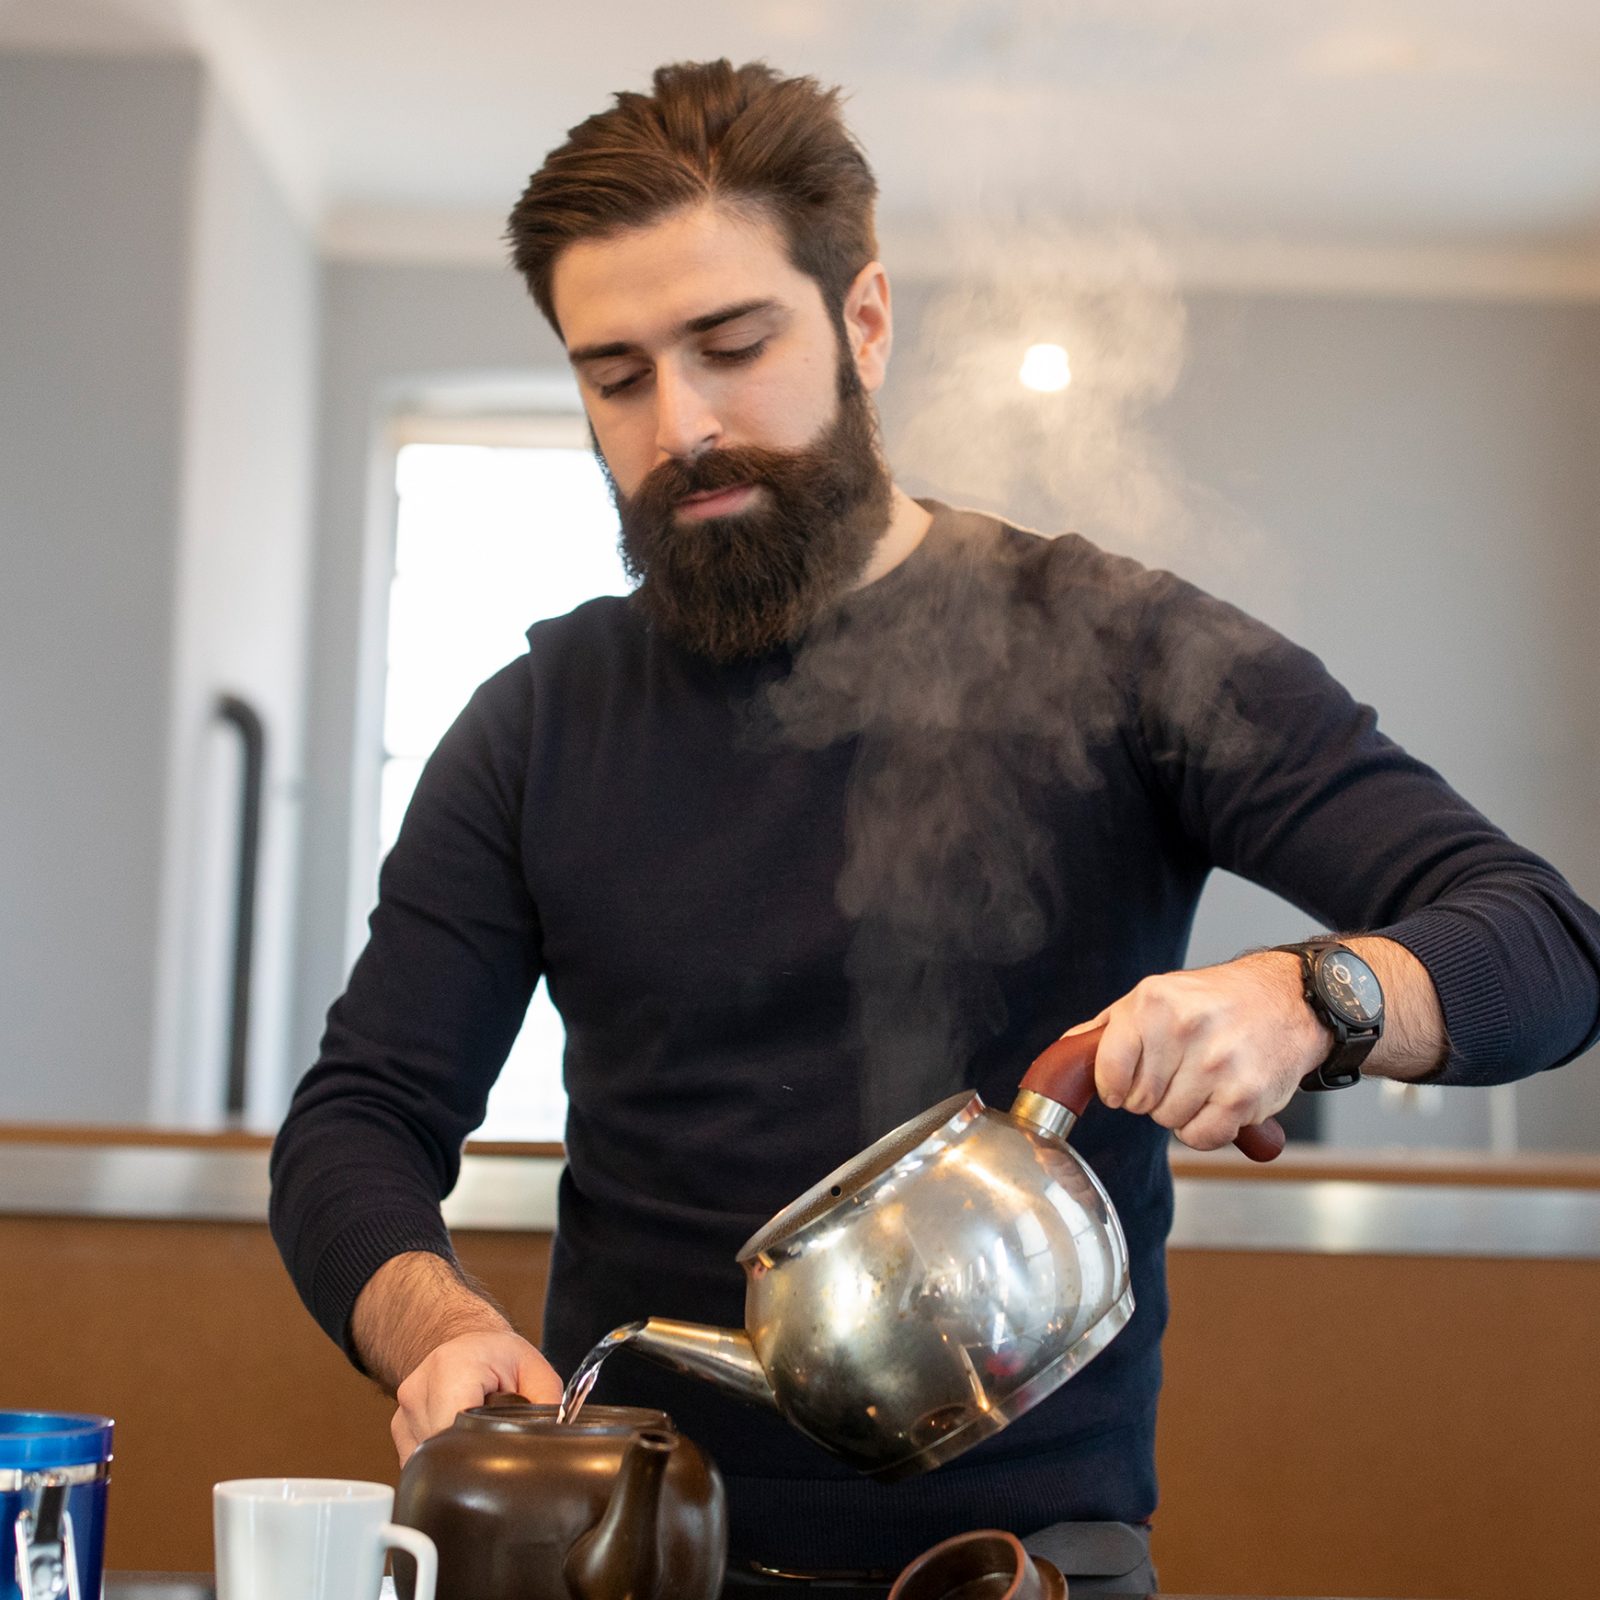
point(1045, 368)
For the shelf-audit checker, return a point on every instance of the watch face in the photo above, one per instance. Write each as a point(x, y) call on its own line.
point(1350, 987)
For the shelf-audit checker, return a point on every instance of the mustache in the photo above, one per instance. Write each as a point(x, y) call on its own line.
point(724, 468)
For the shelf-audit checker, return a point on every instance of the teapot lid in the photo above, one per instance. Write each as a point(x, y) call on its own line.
point(524, 1416)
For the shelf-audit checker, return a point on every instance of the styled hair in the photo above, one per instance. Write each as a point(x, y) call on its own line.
point(708, 131)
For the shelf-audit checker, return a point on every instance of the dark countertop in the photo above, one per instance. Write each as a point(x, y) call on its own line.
point(199, 1586)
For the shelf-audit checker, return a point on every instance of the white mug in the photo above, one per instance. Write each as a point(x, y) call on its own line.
point(310, 1539)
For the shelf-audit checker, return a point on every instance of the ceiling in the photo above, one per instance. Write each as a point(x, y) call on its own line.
point(1363, 122)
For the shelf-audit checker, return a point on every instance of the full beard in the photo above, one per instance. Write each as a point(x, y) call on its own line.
point(732, 587)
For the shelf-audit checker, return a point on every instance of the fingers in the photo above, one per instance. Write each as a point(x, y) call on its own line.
point(432, 1398)
point(1146, 1041)
point(1116, 1062)
point(1215, 1127)
point(1085, 1027)
point(1202, 1052)
point(462, 1373)
point(537, 1380)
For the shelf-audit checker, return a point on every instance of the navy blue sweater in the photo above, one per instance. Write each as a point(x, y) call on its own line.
point(784, 905)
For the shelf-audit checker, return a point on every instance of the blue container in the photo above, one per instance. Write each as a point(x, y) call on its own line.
point(54, 1472)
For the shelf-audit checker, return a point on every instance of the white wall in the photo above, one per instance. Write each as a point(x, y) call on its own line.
point(156, 353)
point(1410, 487)
point(94, 199)
point(1426, 474)
point(244, 555)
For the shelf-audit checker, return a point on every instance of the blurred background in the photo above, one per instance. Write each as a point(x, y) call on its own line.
point(1300, 301)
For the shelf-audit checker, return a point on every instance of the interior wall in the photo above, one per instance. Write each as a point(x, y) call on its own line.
point(1408, 488)
point(1404, 486)
point(244, 570)
point(94, 197)
point(1421, 474)
point(157, 329)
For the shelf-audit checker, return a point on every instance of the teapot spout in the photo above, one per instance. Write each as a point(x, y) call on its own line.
point(619, 1558)
point(723, 1356)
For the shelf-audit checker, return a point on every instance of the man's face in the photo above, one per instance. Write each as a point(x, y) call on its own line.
point(732, 417)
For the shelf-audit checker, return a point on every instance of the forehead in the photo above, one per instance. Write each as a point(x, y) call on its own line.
point(638, 287)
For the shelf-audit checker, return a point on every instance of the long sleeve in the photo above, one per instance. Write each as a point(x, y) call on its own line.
point(1277, 774)
point(372, 1141)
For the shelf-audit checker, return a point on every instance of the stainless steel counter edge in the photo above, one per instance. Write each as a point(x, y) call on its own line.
point(1314, 1216)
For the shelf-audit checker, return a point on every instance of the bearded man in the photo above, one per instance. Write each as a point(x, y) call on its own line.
point(856, 800)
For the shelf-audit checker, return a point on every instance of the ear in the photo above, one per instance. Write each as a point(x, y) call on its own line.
point(869, 324)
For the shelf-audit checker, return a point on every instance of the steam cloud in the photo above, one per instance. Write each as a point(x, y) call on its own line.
point(964, 711)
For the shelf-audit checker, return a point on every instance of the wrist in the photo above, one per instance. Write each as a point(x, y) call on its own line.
point(409, 1307)
point(1307, 1035)
point(1415, 1044)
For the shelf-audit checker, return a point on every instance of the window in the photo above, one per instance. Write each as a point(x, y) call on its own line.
point(499, 525)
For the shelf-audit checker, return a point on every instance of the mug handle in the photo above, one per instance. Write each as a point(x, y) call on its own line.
point(420, 1548)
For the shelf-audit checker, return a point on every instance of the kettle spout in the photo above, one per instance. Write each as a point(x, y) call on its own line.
point(619, 1558)
point(723, 1356)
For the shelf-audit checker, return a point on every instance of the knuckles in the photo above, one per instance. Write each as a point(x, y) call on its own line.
point(1200, 1044)
point(1177, 1006)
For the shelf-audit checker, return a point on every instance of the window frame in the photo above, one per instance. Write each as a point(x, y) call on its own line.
point(536, 413)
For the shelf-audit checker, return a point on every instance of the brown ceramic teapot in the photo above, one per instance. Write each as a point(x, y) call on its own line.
point(615, 1506)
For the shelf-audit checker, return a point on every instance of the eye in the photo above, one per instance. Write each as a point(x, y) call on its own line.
point(618, 385)
point(735, 358)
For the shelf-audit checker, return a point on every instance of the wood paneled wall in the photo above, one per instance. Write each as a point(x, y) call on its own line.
point(1331, 1425)
point(1380, 1425)
point(191, 1336)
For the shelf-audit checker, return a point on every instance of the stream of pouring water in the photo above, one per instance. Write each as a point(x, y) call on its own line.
point(582, 1379)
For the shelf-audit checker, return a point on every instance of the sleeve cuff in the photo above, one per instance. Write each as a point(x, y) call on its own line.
point(1471, 994)
point(356, 1253)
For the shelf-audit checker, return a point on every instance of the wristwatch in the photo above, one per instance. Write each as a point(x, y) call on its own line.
point(1348, 1000)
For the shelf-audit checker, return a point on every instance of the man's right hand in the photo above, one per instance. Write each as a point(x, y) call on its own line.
point(439, 1345)
point(463, 1372)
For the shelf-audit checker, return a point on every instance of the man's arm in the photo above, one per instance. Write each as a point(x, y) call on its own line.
point(1490, 963)
point(373, 1138)
point(439, 1344)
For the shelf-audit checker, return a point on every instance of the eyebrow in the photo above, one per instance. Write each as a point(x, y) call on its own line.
point(712, 319)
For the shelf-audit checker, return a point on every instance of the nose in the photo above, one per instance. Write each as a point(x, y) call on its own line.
point(686, 424)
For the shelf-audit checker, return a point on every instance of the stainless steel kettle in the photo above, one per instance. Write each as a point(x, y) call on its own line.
point(936, 1286)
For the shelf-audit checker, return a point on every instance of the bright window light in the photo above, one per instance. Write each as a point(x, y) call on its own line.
point(1045, 368)
point(490, 539)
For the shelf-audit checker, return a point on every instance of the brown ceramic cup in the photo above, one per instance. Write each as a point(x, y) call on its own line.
point(986, 1564)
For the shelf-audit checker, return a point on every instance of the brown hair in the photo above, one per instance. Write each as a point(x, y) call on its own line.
point(707, 131)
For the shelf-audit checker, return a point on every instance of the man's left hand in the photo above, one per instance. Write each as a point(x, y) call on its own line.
point(1209, 1051)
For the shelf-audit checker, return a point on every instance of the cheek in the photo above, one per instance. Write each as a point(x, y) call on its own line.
point(624, 459)
point(788, 415)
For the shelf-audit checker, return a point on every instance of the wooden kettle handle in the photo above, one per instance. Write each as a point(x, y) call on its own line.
point(1064, 1072)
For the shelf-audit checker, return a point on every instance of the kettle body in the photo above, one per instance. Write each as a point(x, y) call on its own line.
point(970, 1266)
point(924, 1294)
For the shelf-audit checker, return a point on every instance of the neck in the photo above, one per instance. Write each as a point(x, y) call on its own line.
point(908, 522)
